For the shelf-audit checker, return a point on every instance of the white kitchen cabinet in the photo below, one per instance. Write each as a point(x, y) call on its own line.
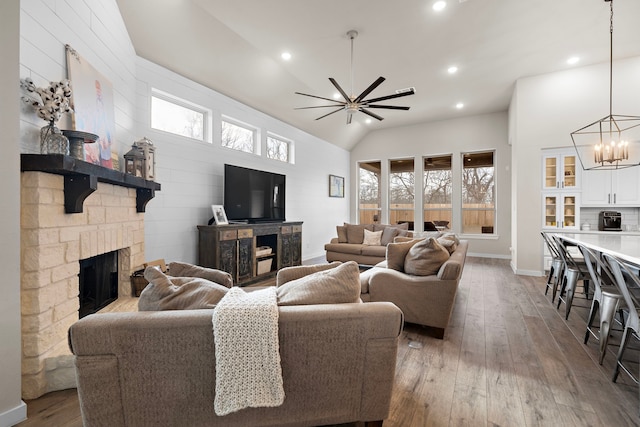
point(561, 210)
point(560, 170)
point(620, 187)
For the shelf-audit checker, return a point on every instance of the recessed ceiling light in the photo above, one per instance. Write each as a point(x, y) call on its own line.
point(459, 105)
point(452, 70)
point(368, 121)
point(573, 60)
point(439, 5)
point(286, 56)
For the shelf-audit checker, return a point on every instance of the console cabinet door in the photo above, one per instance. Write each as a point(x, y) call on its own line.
point(228, 257)
point(245, 259)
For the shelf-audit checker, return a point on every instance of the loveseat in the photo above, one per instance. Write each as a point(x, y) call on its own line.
point(425, 300)
point(157, 368)
point(351, 244)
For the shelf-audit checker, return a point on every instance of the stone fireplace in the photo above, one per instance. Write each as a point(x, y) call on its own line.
point(53, 242)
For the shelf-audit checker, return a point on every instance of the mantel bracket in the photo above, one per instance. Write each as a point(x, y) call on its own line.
point(143, 195)
point(78, 187)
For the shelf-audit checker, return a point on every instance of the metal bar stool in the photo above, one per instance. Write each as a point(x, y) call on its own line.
point(628, 283)
point(556, 268)
point(574, 271)
point(606, 298)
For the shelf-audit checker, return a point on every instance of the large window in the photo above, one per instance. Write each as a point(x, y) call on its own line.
point(437, 190)
point(278, 148)
point(478, 193)
point(238, 137)
point(369, 202)
point(173, 115)
point(401, 191)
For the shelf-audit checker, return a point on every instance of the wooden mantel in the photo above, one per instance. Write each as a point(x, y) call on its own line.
point(81, 179)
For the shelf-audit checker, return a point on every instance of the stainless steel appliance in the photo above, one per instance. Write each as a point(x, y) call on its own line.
point(610, 221)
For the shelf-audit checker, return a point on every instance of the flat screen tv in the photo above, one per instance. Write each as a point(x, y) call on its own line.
point(253, 196)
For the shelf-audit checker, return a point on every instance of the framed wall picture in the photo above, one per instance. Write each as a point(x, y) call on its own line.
point(219, 215)
point(336, 186)
point(93, 108)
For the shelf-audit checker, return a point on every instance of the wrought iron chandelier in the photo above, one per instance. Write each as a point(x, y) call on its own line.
point(612, 150)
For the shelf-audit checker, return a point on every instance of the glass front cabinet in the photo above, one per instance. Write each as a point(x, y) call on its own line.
point(560, 170)
point(561, 210)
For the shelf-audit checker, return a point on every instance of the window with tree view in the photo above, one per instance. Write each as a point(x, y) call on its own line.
point(478, 193)
point(277, 149)
point(238, 137)
point(437, 190)
point(401, 191)
point(171, 116)
point(369, 202)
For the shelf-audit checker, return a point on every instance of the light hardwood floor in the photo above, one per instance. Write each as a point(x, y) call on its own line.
point(508, 359)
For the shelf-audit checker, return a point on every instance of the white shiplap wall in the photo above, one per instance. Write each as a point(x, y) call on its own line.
point(191, 173)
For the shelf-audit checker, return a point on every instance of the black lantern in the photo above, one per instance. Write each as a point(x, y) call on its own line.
point(134, 161)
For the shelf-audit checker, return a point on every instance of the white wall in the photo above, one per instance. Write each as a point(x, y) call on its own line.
point(548, 108)
point(191, 172)
point(12, 409)
point(466, 134)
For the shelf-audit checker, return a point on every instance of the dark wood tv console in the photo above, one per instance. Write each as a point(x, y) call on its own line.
point(236, 249)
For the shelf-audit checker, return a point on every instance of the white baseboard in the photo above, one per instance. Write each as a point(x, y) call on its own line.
point(482, 255)
point(14, 416)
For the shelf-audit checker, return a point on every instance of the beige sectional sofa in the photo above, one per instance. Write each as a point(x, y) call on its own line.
point(158, 368)
point(350, 246)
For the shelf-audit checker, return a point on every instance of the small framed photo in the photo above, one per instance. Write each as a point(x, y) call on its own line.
point(219, 216)
point(336, 186)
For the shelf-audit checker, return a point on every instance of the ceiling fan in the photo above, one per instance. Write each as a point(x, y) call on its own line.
point(353, 104)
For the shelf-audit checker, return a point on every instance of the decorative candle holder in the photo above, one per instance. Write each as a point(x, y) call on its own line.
point(77, 139)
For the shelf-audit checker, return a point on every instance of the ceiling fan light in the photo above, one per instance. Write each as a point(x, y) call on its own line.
point(286, 56)
point(459, 105)
point(452, 70)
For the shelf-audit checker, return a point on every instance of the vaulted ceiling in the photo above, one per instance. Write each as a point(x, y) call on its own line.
point(235, 47)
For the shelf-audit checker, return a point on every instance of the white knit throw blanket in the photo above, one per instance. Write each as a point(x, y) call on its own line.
point(248, 371)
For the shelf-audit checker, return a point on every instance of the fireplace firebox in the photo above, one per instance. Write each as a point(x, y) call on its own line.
point(98, 282)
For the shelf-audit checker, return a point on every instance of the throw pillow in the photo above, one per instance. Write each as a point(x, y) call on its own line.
point(452, 236)
point(396, 252)
point(449, 243)
point(342, 234)
point(288, 274)
point(178, 293)
point(182, 269)
point(372, 238)
point(379, 227)
point(425, 258)
point(402, 226)
point(355, 233)
point(334, 286)
point(388, 234)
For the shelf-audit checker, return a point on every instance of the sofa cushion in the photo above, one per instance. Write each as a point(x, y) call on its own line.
point(342, 234)
point(355, 232)
point(334, 286)
point(182, 269)
point(178, 293)
point(376, 251)
point(452, 236)
point(425, 258)
point(396, 253)
point(345, 248)
point(372, 238)
point(288, 274)
point(388, 234)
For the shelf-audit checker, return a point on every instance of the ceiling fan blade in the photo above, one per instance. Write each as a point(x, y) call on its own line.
point(328, 114)
point(349, 117)
point(395, 95)
point(388, 107)
point(369, 113)
point(320, 106)
point(342, 92)
point(315, 96)
point(368, 90)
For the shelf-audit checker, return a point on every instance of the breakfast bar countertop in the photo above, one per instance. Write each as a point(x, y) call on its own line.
point(623, 245)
